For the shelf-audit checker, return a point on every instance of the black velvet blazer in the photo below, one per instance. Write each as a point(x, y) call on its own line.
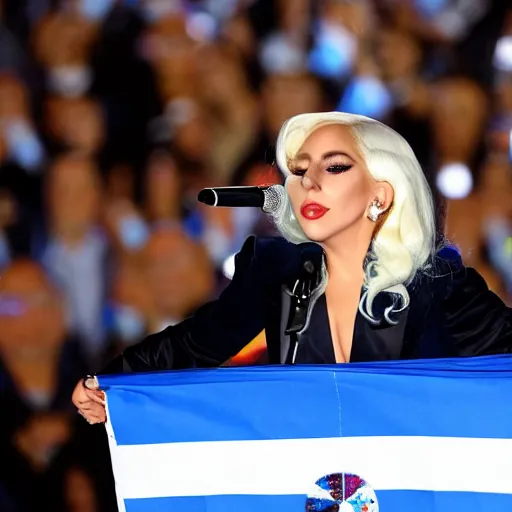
point(452, 313)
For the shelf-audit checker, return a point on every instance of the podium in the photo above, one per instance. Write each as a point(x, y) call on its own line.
point(425, 435)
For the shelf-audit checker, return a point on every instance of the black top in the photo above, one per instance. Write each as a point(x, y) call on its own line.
point(452, 313)
point(315, 345)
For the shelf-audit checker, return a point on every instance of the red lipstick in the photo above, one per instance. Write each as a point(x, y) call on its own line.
point(313, 211)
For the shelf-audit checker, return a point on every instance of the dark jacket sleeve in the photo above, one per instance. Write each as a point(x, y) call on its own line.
point(475, 318)
point(219, 329)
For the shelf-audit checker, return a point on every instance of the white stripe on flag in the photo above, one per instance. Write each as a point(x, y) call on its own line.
point(291, 466)
point(114, 453)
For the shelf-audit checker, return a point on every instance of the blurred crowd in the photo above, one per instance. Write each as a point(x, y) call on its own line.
point(115, 113)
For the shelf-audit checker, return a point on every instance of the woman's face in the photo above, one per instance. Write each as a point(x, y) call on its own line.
point(330, 187)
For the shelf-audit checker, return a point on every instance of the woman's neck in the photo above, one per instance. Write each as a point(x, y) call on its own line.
point(345, 258)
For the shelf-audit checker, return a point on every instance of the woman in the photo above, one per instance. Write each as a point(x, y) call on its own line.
point(357, 276)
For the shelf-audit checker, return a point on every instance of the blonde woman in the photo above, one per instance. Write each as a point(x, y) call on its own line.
point(357, 275)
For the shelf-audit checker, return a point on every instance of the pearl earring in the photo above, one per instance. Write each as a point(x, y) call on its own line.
point(375, 210)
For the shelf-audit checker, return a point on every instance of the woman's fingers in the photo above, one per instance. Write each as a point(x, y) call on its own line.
point(93, 413)
point(91, 407)
point(92, 389)
point(95, 396)
point(82, 394)
point(90, 400)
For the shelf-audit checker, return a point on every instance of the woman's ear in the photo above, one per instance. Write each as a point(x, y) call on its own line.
point(384, 194)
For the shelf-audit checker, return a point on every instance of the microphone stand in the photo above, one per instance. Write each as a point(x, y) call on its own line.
point(307, 281)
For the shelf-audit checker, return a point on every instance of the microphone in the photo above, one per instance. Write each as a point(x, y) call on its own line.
point(269, 199)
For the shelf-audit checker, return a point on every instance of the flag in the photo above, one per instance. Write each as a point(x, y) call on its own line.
point(422, 436)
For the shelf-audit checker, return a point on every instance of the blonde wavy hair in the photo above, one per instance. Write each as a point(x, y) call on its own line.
point(406, 240)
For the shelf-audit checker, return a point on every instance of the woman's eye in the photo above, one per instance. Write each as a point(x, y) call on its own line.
point(337, 169)
point(299, 172)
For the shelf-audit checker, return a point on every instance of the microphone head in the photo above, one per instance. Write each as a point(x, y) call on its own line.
point(269, 199)
point(274, 199)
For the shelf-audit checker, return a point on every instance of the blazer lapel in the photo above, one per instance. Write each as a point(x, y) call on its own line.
point(316, 340)
point(380, 342)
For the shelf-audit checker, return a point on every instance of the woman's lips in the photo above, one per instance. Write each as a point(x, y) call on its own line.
point(313, 211)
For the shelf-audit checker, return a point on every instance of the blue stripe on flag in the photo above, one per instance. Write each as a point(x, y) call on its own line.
point(450, 398)
point(396, 501)
point(209, 406)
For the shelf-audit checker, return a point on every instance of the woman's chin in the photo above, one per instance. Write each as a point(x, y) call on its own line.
point(315, 235)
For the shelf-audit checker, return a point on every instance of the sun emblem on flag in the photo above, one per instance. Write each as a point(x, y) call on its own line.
point(342, 492)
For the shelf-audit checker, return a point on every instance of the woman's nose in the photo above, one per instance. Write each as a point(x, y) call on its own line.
point(309, 182)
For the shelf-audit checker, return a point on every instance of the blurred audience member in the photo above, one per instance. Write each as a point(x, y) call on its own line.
point(79, 492)
point(120, 183)
point(127, 228)
point(163, 191)
point(459, 116)
point(8, 217)
point(132, 304)
point(62, 44)
point(232, 106)
point(282, 96)
point(75, 252)
point(39, 361)
point(179, 274)
point(75, 124)
point(21, 142)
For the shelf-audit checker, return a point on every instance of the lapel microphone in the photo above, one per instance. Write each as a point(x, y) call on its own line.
point(269, 199)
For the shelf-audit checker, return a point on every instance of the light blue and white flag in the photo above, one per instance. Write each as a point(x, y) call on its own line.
point(422, 436)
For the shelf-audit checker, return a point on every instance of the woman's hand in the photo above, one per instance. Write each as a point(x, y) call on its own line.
point(90, 400)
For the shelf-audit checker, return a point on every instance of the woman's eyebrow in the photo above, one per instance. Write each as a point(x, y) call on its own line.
point(325, 156)
point(330, 154)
